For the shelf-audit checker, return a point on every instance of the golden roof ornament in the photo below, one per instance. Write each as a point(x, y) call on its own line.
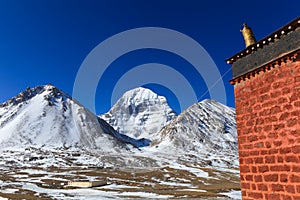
point(248, 35)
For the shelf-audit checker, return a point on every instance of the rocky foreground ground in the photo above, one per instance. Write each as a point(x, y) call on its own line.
point(33, 173)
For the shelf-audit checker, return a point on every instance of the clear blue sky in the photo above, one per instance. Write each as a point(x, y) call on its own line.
point(46, 41)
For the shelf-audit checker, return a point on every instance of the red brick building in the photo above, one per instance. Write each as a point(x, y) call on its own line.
point(266, 79)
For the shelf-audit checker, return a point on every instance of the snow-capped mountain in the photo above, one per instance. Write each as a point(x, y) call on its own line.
point(139, 113)
point(45, 115)
point(206, 129)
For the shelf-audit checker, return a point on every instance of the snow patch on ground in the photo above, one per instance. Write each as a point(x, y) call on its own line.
point(236, 195)
point(90, 193)
point(9, 191)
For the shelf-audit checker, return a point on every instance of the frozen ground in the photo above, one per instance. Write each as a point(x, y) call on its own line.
point(41, 173)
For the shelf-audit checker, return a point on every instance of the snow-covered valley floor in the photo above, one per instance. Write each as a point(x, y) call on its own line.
point(41, 173)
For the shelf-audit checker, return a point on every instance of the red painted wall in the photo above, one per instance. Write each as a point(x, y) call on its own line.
point(268, 124)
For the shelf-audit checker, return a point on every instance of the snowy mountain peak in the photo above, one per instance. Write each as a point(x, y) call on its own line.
point(139, 95)
point(49, 91)
point(139, 113)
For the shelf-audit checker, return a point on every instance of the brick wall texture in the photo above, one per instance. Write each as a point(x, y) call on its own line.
point(267, 114)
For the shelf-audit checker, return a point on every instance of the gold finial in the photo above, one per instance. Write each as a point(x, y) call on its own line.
point(248, 35)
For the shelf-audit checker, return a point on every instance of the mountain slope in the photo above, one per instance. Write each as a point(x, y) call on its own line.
point(206, 129)
point(45, 115)
point(139, 113)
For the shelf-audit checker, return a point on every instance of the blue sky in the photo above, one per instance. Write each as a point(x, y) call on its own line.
point(46, 41)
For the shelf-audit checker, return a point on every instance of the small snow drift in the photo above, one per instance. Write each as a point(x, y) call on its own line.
point(139, 113)
point(45, 115)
